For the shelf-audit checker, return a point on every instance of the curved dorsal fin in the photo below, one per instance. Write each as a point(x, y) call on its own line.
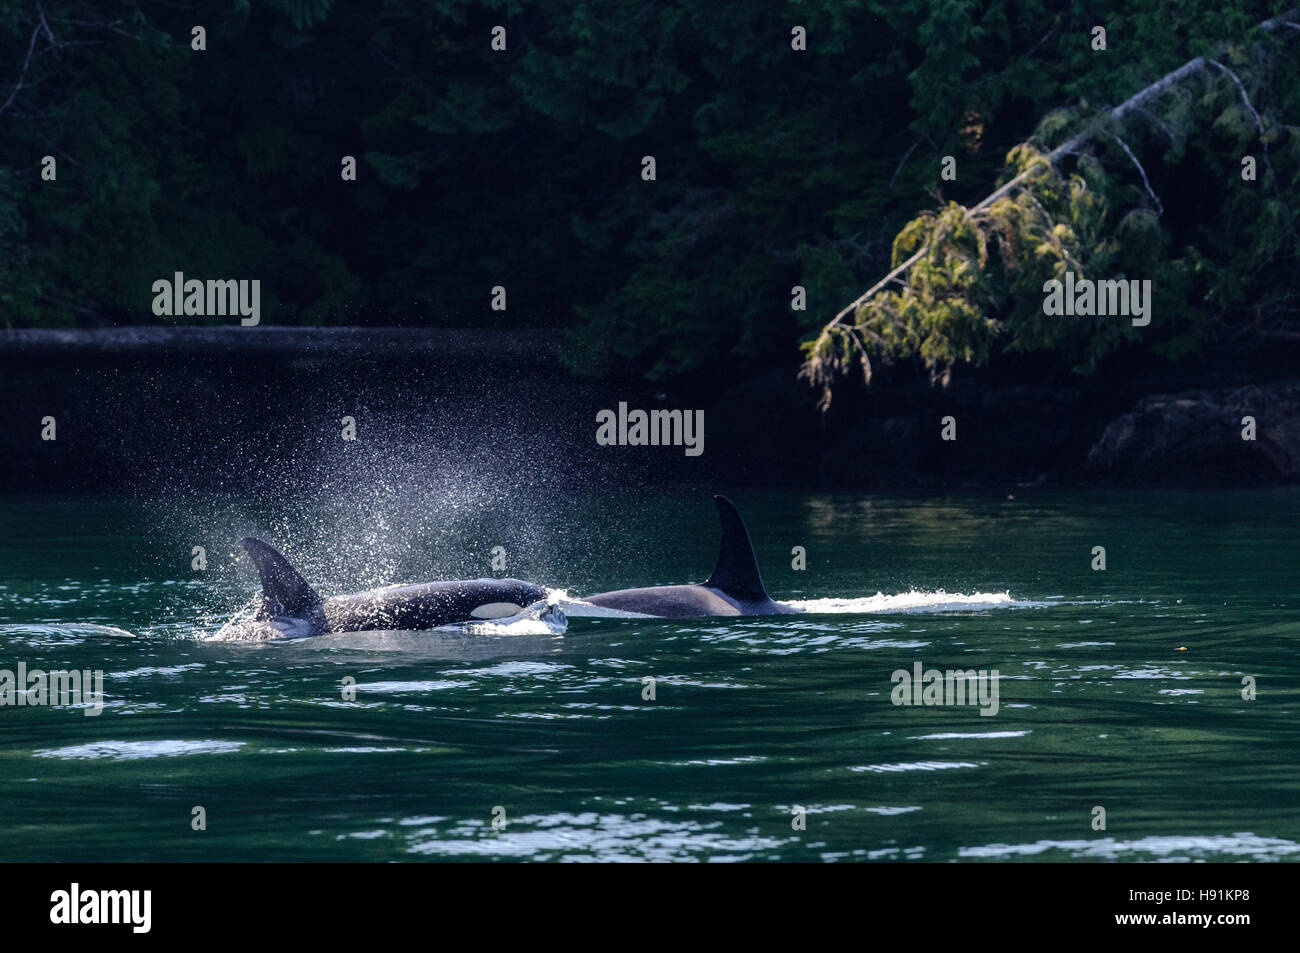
point(284, 591)
point(736, 572)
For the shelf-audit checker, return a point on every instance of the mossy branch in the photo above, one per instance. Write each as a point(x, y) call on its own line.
point(934, 300)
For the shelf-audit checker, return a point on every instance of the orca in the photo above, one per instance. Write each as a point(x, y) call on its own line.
point(735, 588)
point(291, 609)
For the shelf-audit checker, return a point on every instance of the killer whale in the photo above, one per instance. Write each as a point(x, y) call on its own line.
point(734, 588)
point(290, 608)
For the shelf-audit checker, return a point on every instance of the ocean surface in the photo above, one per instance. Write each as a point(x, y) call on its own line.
point(1122, 729)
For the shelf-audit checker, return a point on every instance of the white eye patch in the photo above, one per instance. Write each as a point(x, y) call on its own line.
point(496, 610)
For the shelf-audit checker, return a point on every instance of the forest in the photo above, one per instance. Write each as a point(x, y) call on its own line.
point(801, 151)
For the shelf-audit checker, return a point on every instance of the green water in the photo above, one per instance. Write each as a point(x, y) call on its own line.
point(751, 717)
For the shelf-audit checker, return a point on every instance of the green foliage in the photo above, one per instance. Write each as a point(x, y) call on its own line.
point(977, 284)
point(776, 168)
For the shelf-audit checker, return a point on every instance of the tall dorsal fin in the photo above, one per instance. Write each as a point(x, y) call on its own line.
point(736, 572)
point(284, 591)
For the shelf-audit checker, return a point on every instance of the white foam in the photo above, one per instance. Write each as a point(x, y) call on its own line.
point(912, 601)
point(575, 608)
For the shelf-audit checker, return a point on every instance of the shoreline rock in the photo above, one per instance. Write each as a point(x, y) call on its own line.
point(1198, 434)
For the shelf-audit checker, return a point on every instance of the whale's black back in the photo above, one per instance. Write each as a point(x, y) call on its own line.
point(287, 598)
point(427, 605)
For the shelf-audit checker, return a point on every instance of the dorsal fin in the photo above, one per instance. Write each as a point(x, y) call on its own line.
point(736, 573)
point(284, 591)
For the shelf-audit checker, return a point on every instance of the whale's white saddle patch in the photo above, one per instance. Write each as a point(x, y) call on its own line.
point(496, 610)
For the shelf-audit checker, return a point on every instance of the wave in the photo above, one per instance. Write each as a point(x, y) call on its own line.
point(915, 600)
point(49, 634)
